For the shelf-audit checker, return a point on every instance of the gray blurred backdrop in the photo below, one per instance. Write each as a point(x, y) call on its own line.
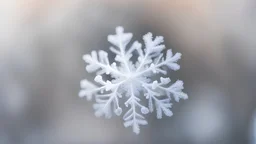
point(41, 48)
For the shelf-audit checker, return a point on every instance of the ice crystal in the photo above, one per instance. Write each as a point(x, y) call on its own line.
point(132, 80)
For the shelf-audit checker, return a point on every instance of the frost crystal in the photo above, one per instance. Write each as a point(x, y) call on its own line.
point(132, 80)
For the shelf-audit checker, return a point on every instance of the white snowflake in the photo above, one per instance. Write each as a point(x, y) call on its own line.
point(132, 80)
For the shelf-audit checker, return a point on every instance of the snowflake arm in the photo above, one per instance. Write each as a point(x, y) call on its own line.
point(120, 40)
point(175, 89)
point(156, 90)
point(152, 49)
point(131, 117)
point(132, 81)
point(103, 104)
point(88, 89)
point(157, 66)
point(94, 64)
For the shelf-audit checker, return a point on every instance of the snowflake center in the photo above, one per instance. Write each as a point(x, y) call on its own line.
point(131, 76)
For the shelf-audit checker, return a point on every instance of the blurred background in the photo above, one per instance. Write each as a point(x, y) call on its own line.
point(41, 48)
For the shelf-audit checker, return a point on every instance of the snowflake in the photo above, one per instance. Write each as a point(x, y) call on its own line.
point(132, 80)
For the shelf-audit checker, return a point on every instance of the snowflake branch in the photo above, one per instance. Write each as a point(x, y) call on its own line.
point(123, 57)
point(94, 64)
point(120, 40)
point(103, 105)
point(88, 89)
point(131, 117)
point(170, 61)
point(152, 46)
point(162, 105)
point(175, 89)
